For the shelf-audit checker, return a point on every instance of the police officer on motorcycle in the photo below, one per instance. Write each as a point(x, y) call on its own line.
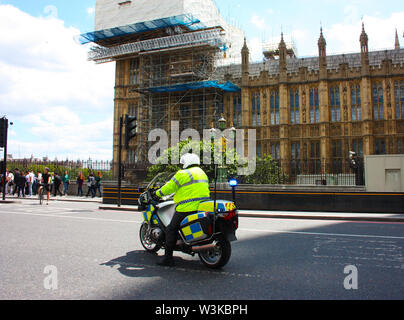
point(191, 187)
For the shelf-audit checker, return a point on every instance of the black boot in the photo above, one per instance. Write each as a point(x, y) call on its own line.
point(166, 261)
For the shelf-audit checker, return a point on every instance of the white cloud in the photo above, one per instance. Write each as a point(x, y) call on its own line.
point(91, 11)
point(255, 47)
point(344, 37)
point(48, 87)
point(258, 21)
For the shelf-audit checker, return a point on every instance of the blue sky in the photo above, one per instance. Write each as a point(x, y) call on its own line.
point(62, 105)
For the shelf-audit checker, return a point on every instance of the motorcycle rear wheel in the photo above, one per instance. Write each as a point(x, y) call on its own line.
point(218, 257)
point(146, 241)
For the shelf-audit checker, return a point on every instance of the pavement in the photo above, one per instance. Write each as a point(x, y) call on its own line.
point(333, 216)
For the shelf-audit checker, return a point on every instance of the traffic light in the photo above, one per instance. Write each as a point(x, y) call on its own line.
point(3, 132)
point(130, 129)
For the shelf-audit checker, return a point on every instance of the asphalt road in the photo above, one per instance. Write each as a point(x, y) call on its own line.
point(96, 254)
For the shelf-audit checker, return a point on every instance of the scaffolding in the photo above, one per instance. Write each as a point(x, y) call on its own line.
point(177, 51)
point(178, 85)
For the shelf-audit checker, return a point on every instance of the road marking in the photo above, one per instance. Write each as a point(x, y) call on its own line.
point(322, 234)
point(240, 229)
point(72, 217)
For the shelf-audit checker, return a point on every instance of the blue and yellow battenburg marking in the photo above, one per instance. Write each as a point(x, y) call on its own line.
point(193, 232)
point(221, 206)
point(149, 215)
point(193, 217)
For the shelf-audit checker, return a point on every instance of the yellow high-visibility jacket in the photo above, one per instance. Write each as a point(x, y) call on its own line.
point(191, 187)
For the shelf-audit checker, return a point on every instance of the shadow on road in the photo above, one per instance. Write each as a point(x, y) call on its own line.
point(305, 264)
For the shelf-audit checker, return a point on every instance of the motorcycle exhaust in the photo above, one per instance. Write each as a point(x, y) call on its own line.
point(204, 248)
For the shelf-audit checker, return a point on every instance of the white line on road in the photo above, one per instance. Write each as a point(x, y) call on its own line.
point(240, 229)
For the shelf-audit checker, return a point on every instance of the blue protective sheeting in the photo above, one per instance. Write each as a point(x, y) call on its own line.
point(181, 20)
point(227, 87)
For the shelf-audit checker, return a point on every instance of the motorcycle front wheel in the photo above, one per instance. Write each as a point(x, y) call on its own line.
point(219, 256)
point(146, 241)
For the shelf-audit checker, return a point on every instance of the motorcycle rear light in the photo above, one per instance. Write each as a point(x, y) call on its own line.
point(230, 215)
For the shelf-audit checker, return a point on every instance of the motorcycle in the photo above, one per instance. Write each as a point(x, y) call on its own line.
point(208, 232)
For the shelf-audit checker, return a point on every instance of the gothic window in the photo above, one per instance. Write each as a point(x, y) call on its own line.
point(378, 108)
point(294, 106)
point(335, 103)
point(237, 112)
point(400, 146)
point(134, 72)
point(337, 156)
point(380, 146)
point(295, 157)
point(315, 163)
point(356, 104)
point(274, 105)
point(256, 109)
point(357, 147)
point(314, 106)
point(399, 98)
point(276, 151)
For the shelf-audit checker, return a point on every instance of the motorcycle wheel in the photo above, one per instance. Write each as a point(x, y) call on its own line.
point(146, 241)
point(218, 257)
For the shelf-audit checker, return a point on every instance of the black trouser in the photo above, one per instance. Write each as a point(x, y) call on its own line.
point(172, 231)
point(57, 189)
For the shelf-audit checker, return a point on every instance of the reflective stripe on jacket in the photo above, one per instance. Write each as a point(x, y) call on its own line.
point(191, 187)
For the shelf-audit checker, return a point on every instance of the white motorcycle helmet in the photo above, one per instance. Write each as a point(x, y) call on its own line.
point(190, 159)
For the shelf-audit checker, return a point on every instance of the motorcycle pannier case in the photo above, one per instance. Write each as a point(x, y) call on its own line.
point(196, 227)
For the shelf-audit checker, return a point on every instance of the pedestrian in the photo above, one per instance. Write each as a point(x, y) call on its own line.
point(57, 181)
point(9, 182)
point(28, 183)
point(66, 182)
point(91, 185)
point(37, 182)
point(80, 182)
point(98, 179)
point(20, 183)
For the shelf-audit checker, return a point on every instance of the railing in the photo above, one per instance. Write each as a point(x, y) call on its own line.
point(73, 168)
point(340, 172)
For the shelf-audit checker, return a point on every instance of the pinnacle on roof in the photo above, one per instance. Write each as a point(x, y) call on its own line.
point(321, 40)
point(364, 37)
point(397, 42)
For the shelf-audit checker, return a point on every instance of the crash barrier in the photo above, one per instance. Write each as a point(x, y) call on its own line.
point(290, 200)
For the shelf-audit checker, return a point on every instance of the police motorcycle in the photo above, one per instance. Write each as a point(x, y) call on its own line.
point(208, 232)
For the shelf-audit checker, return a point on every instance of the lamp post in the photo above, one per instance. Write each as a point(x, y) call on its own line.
point(222, 172)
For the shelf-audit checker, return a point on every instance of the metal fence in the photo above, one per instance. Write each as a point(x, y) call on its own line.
point(73, 168)
point(339, 172)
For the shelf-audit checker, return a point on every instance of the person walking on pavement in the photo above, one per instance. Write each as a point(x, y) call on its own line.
point(9, 182)
point(91, 185)
point(66, 182)
point(80, 182)
point(191, 187)
point(20, 183)
point(98, 179)
point(57, 181)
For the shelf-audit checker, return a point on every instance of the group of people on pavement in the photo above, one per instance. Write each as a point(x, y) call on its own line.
point(27, 183)
point(93, 184)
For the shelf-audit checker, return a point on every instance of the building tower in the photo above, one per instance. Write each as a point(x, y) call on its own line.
point(322, 53)
point(366, 89)
point(397, 42)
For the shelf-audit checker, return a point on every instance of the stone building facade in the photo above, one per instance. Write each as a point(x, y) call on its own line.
point(310, 113)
